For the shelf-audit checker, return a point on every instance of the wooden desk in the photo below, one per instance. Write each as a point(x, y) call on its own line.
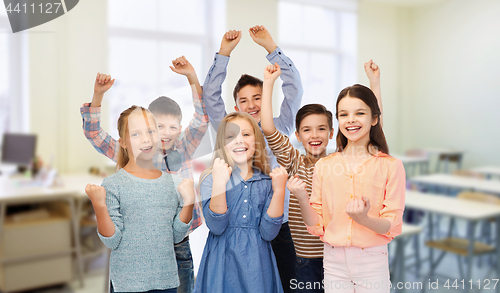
point(467, 210)
point(15, 191)
point(459, 182)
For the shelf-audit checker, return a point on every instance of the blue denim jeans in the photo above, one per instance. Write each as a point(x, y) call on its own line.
point(285, 256)
point(185, 267)
point(310, 275)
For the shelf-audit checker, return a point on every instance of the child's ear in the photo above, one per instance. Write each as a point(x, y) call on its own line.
point(180, 130)
point(236, 109)
point(297, 135)
point(331, 133)
point(375, 120)
point(122, 143)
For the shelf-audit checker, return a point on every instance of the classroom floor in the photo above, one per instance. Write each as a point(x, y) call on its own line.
point(94, 278)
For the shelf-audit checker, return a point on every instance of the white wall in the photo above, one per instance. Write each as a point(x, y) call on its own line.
point(380, 34)
point(438, 62)
point(455, 95)
point(438, 74)
point(248, 57)
point(64, 57)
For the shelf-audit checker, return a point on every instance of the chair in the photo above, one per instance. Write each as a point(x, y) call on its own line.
point(423, 166)
point(446, 159)
point(468, 173)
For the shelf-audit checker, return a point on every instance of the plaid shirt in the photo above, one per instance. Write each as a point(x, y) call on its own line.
point(186, 146)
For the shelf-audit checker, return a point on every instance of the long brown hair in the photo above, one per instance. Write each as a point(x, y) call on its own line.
point(377, 137)
point(123, 156)
point(260, 160)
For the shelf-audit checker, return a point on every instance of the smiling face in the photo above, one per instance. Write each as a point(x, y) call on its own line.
point(239, 141)
point(142, 139)
point(169, 129)
point(248, 100)
point(355, 120)
point(314, 134)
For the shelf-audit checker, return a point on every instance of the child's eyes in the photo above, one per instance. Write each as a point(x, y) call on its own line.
point(173, 128)
point(257, 99)
point(229, 136)
point(160, 126)
point(322, 129)
point(241, 102)
point(360, 113)
point(343, 115)
point(246, 134)
point(152, 131)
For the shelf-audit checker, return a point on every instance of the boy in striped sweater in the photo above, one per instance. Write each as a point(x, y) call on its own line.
point(314, 128)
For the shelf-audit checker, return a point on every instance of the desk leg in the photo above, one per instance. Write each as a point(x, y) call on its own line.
point(76, 239)
point(2, 218)
point(431, 250)
point(470, 251)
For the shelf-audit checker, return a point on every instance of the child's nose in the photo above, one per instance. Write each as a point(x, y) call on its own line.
point(238, 139)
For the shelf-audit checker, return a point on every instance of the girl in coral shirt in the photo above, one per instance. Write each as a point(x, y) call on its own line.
point(357, 200)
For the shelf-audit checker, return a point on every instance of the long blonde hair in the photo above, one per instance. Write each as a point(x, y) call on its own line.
point(260, 160)
point(123, 156)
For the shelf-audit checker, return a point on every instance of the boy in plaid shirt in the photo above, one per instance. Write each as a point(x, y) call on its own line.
point(177, 153)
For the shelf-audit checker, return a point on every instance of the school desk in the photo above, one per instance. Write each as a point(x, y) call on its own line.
point(470, 211)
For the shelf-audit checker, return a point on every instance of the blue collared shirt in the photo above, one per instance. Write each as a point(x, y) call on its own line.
point(292, 91)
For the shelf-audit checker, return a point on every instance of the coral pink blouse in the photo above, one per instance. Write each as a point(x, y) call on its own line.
point(381, 178)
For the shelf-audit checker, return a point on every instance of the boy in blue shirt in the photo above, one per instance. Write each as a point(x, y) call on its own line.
point(247, 96)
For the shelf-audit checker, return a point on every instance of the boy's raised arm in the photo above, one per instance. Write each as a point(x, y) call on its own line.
point(216, 75)
point(292, 84)
point(271, 73)
point(199, 124)
point(91, 114)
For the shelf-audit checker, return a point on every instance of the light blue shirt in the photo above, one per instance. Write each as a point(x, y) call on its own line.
point(292, 91)
point(145, 213)
point(238, 256)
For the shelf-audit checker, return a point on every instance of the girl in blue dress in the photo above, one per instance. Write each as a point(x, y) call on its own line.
point(243, 209)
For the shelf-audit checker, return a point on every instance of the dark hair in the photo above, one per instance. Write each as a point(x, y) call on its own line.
point(377, 137)
point(165, 106)
point(245, 80)
point(312, 109)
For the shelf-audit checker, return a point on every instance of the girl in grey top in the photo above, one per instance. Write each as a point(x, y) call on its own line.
point(139, 215)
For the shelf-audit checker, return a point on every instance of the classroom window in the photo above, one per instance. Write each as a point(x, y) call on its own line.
point(14, 109)
point(320, 38)
point(142, 46)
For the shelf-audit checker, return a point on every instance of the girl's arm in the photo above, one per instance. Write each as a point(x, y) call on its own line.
point(213, 199)
point(184, 213)
point(358, 211)
point(271, 73)
point(186, 189)
point(278, 176)
point(373, 73)
point(390, 220)
point(107, 208)
point(220, 174)
point(271, 220)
